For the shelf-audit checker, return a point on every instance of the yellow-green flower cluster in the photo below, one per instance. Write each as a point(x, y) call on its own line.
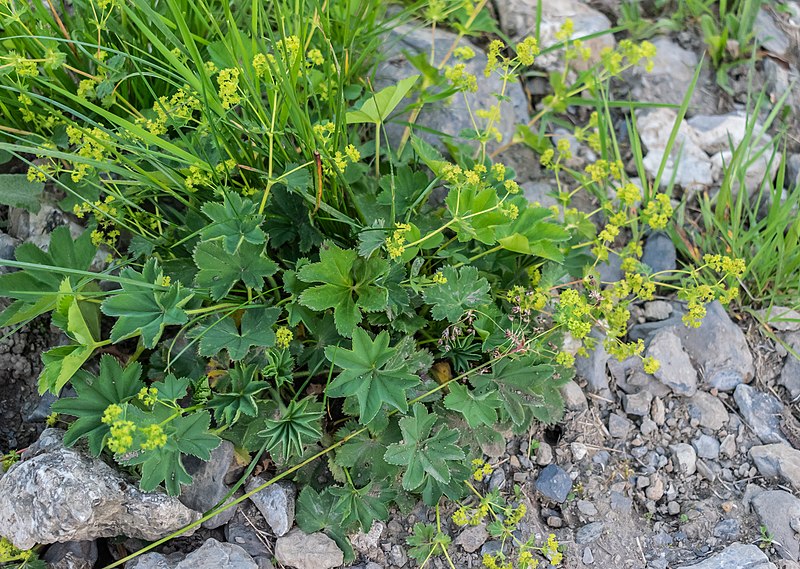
point(526, 560)
point(565, 359)
point(197, 177)
point(726, 265)
point(496, 561)
point(696, 298)
point(121, 436)
point(603, 170)
point(396, 242)
point(629, 194)
point(651, 365)
point(283, 337)
point(464, 53)
point(23, 66)
point(480, 469)
point(471, 516)
point(461, 79)
point(105, 214)
point(181, 106)
point(574, 312)
point(527, 50)
point(154, 437)
point(9, 553)
point(439, 278)
point(495, 59)
point(514, 515)
point(93, 144)
point(148, 395)
point(550, 550)
point(658, 211)
point(228, 81)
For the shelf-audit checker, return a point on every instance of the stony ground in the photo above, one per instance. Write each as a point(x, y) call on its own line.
point(697, 466)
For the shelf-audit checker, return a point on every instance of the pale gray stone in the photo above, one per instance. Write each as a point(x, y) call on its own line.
point(212, 555)
point(735, 556)
point(778, 459)
point(676, 371)
point(686, 458)
point(275, 502)
point(60, 494)
point(790, 374)
point(657, 310)
point(781, 318)
point(779, 511)
point(453, 116)
point(574, 398)
point(769, 35)
point(638, 403)
point(708, 410)
point(618, 426)
point(208, 486)
point(472, 538)
point(308, 551)
point(706, 447)
point(762, 411)
point(518, 20)
point(719, 348)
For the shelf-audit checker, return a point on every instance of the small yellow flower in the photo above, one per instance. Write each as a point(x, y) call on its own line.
point(315, 56)
point(527, 50)
point(283, 337)
point(148, 395)
point(650, 365)
point(154, 437)
point(439, 278)
point(352, 153)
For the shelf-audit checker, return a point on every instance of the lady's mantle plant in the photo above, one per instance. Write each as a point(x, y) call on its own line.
point(260, 285)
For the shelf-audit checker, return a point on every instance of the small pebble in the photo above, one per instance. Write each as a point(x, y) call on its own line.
point(588, 558)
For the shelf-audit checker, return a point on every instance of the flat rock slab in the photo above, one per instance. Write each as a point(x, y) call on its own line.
point(308, 551)
point(58, 494)
point(779, 512)
point(735, 556)
point(212, 555)
point(762, 411)
point(778, 460)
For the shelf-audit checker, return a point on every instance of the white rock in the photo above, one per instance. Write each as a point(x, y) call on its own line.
point(308, 551)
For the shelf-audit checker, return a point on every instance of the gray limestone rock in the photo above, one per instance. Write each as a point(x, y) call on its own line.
point(735, 556)
point(453, 116)
point(686, 458)
point(779, 512)
point(660, 254)
point(762, 411)
point(708, 410)
point(574, 399)
point(554, 483)
point(307, 551)
point(275, 502)
point(778, 460)
point(60, 494)
point(790, 374)
point(676, 371)
point(71, 555)
point(208, 486)
point(472, 538)
point(212, 555)
point(719, 348)
point(518, 20)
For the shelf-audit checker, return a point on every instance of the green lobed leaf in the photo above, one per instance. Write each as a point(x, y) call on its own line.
point(113, 385)
point(219, 271)
point(144, 310)
point(17, 191)
point(423, 453)
point(349, 286)
point(366, 375)
point(463, 290)
point(234, 221)
point(476, 409)
point(255, 330)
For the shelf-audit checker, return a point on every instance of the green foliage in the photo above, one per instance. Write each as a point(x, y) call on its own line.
point(278, 276)
point(218, 270)
point(462, 291)
point(372, 374)
point(146, 305)
point(349, 286)
point(427, 455)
